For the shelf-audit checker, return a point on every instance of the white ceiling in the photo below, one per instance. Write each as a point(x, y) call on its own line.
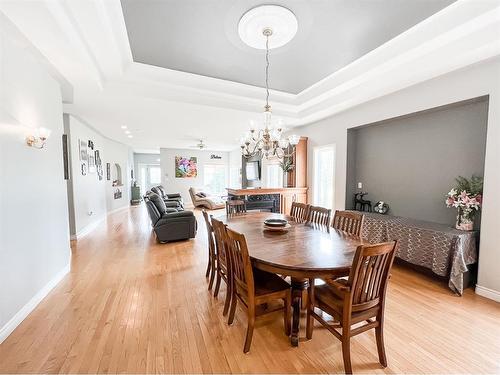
point(201, 37)
point(85, 45)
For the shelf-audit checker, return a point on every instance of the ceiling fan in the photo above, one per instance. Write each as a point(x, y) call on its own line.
point(199, 145)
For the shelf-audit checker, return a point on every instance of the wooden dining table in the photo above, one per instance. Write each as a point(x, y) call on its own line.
point(306, 251)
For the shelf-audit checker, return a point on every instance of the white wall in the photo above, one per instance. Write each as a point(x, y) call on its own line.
point(34, 232)
point(182, 185)
point(235, 168)
point(90, 198)
point(475, 81)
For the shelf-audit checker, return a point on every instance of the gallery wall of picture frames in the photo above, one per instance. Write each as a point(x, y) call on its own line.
point(90, 159)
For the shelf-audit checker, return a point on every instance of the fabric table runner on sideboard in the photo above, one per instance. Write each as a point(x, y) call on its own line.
point(438, 247)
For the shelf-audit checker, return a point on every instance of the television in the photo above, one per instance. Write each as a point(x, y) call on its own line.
point(252, 170)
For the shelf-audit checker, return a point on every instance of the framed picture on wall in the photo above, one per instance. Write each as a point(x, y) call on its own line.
point(108, 171)
point(186, 167)
point(83, 153)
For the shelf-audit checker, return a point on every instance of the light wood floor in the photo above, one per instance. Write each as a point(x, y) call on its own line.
point(132, 305)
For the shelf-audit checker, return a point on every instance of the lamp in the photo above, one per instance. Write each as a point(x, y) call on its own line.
point(39, 138)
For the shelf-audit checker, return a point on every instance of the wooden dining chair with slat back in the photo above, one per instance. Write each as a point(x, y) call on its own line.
point(253, 287)
point(223, 264)
point(235, 206)
point(358, 299)
point(212, 257)
point(299, 211)
point(319, 215)
point(349, 222)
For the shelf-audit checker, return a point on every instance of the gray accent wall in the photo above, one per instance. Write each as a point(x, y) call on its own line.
point(411, 162)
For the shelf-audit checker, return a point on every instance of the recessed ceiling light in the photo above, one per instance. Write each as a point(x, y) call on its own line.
point(127, 131)
point(123, 127)
point(129, 136)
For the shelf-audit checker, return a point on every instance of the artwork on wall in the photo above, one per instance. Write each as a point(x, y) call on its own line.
point(91, 157)
point(117, 194)
point(98, 164)
point(186, 167)
point(83, 156)
point(108, 171)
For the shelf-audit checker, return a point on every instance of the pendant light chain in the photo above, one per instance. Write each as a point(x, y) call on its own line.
point(267, 72)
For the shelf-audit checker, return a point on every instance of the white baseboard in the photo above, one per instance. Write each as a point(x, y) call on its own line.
point(17, 319)
point(488, 293)
point(118, 209)
point(87, 229)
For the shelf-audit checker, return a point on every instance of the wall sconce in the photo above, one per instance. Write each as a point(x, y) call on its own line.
point(39, 138)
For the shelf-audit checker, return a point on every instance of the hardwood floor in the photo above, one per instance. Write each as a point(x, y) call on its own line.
point(132, 305)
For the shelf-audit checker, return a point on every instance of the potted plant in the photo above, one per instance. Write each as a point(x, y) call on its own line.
point(287, 166)
point(467, 198)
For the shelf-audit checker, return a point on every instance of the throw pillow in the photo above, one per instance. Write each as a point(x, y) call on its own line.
point(201, 195)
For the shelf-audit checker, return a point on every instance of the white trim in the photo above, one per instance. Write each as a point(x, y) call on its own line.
point(90, 227)
point(118, 209)
point(488, 293)
point(87, 229)
point(18, 318)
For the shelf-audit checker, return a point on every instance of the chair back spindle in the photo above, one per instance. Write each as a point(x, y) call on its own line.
point(370, 273)
point(299, 211)
point(221, 244)
point(319, 215)
point(242, 266)
point(349, 222)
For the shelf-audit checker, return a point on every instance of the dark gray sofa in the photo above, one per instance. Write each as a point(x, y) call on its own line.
point(169, 223)
point(176, 197)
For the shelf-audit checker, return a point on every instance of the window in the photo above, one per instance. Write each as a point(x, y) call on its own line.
point(324, 167)
point(274, 176)
point(154, 175)
point(215, 178)
point(149, 176)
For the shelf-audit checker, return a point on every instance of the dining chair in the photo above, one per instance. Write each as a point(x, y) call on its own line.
point(319, 215)
point(349, 222)
point(358, 299)
point(223, 264)
point(235, 206)
point(299, 211)
point(212, 257)
point(253, 287)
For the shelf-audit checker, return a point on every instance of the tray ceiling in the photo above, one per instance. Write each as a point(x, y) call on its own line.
point(201, 37)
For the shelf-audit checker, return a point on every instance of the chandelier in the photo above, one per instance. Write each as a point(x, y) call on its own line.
point(267, 140)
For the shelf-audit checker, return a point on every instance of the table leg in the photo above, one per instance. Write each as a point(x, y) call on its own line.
point(298, 286)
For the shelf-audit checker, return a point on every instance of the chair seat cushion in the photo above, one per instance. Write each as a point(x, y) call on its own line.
point(326, 298)
point(267, 283)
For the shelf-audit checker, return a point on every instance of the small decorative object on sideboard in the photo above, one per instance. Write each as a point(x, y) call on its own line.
point(286, 166)
point(467, 198)
point(381, 207)
point(361, 204)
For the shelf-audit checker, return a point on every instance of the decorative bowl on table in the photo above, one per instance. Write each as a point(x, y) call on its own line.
point(276, 225)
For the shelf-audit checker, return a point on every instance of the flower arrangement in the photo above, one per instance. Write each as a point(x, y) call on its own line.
point(467, 198)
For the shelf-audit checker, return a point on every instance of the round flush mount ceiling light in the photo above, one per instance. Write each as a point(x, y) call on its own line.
point(265, 20)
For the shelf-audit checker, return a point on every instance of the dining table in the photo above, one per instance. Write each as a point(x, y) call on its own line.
point(304, 251)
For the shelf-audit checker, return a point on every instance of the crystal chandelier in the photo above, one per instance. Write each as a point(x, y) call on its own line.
point(267, 140)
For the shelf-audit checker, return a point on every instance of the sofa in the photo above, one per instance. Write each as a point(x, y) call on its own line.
point(169, 223)
point(176, 197)
point(203, 200)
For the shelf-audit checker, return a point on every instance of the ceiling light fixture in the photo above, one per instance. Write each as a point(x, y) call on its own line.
point(130, 136)
point(123, 127)
point(255, 29)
